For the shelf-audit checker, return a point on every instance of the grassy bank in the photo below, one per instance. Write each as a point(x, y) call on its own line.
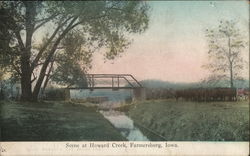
point(54, 121)
point(194, 121)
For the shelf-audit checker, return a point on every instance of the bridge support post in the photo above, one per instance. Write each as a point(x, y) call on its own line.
point(139, 94)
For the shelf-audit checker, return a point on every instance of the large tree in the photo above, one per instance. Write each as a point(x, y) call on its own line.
point(72, 63)
point(31, 33)
point(225, 44)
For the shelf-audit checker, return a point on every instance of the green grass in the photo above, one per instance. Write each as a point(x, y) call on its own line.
point(54, 121)
point(194, 121)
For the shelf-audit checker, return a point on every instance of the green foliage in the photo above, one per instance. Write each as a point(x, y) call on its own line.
point(9, 52)
point(225, 44)
point(2, 87)
point(86, 27)
point(57, 94)
point(159, 84)
point(1, 94)
point(103, 24)
point(2, 73)
point(72, 62)
point(69, 74)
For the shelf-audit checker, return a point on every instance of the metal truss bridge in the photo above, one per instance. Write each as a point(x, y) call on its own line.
point(110, 81)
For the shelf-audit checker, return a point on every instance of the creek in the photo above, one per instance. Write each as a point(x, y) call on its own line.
point(119, 119)
point(125, 125)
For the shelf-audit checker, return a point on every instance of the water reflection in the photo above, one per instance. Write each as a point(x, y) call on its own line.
point(110, 105)
point(115, 96)
point(125, 125)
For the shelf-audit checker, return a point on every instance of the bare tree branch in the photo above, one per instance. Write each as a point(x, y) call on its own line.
point(44, 21)
point(51, 53)
point(34, 77)
point(33, 64)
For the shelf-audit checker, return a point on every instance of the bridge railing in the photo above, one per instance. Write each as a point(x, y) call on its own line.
point(113, 81)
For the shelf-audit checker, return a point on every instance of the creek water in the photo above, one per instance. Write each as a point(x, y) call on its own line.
point(113, 96)
point(124, 124)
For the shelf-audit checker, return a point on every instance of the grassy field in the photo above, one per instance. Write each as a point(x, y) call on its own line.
point(194, 121)
point(54, 121)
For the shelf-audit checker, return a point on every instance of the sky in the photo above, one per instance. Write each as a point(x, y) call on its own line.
point(174, 46)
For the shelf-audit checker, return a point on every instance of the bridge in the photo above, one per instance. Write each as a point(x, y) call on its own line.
point(110, 81)
point(114, 82)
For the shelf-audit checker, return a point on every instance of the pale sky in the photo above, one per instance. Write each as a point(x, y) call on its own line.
point(174, 47)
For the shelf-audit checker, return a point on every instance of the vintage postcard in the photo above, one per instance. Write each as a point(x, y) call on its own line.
point(124, 78)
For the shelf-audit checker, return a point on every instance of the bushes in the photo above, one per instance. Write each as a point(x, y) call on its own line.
point(159, 93)
point(57, 94)
point(1, 94)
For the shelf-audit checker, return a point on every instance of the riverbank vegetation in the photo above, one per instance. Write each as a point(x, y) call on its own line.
point(194, 121)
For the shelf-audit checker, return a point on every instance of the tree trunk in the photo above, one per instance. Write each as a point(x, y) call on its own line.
point(48, 60)
point(26, 94)
point(43, 72)
point(26, 72)
point(26, 89)
point(47, 77)
point(230, 63)
point(231, 76)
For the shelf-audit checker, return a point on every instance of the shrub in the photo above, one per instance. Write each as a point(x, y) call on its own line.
point(1, 94)
point(159, 93)
point(57, 94)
